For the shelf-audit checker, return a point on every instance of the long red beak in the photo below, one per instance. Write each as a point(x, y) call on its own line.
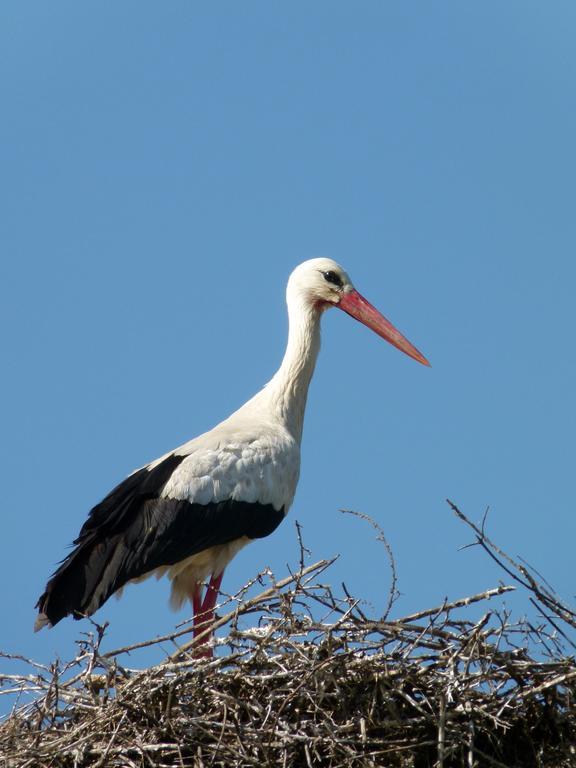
point(357, 306)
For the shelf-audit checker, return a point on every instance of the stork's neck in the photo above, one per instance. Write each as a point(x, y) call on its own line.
point(288, 389)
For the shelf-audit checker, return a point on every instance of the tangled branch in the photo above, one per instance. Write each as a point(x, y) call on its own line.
point(303, 677)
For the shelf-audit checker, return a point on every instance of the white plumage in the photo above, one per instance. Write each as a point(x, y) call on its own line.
point(231, 463)
point(189, 512)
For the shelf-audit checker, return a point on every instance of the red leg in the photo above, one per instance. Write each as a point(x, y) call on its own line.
point(211, 595)
point(204, 612)
point(196, 600)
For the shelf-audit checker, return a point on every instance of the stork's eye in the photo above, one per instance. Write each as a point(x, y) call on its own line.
point(333, 277)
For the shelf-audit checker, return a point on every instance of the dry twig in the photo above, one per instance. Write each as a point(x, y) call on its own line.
point(314, 682)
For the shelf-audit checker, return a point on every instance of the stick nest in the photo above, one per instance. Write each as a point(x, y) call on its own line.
point(304, 677)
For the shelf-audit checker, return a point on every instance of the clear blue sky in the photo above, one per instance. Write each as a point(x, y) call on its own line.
point(164, 166)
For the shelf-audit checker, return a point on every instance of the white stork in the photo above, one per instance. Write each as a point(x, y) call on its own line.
point(189, 512)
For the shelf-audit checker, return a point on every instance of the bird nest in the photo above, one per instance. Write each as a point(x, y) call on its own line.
point(304, 677)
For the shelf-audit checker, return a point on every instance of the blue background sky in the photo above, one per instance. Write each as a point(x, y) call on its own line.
point(164, 166)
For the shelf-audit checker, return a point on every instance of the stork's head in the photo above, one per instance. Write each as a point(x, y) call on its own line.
point(322, 283)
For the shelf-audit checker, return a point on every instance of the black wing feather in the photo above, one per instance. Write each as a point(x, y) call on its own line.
point(133, 531)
